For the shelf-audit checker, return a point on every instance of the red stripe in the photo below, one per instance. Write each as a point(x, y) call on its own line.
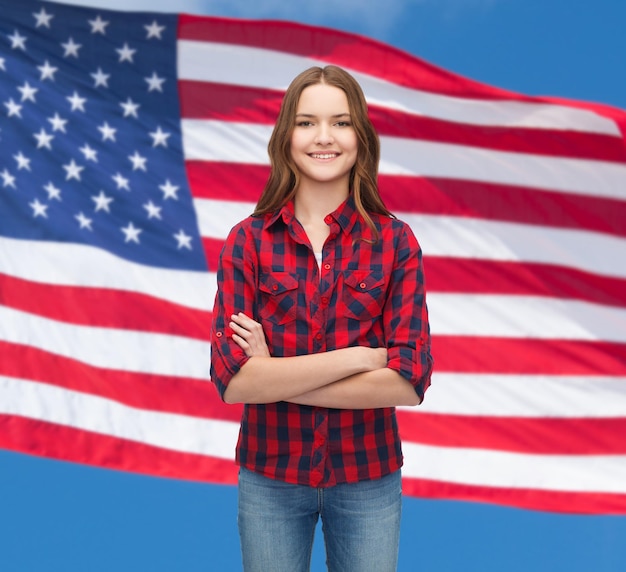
point(362, 54)
point(436, 196)
point(474, 354)
point(145, 391)
point(212, 249)
point(508, 203)
point(224, 102)
point(473, 276)
point(68, 444)
point(341, 48)
point(101, 307)
point(536, 435)
point(544, 500)
point(226, 181)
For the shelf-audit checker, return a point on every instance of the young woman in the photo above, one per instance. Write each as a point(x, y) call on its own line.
point(320, 328)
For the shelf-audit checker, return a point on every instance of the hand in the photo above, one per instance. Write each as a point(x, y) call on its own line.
point(248, 335)
point(378, 357)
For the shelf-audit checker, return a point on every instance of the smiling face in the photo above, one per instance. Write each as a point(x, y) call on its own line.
point(323, 141)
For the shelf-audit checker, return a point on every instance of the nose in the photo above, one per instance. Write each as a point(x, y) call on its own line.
point(323, 136)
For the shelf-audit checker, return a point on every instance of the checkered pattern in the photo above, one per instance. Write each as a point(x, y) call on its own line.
point(363, 294)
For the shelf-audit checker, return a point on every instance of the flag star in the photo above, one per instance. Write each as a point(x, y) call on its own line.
point(8, 180)
point(73, 170)
point(17, 41)
point(130, 108)
point(89, 153)
point(153, 210)
point(184, 241)
point(102, 202)
point(131, 233)
point(47, 71)
point(101, 78)
point(22, 161)
point(169, 190)
point(53, 192)
point(43, 18)
point(121, 182)
point(71, 48)
point(39, 208)
point(77, 101)
point(138, 161)
point(126, 53)
point(28, 92)
point(107, 131)
point(159, 137)
point(154, 30)
point(13, 108)
point(83, 221)
point(58, 124)
point(98, 26)
point(43, 139)
point(155, 82)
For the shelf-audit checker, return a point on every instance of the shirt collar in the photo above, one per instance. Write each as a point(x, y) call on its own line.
point(345, 215)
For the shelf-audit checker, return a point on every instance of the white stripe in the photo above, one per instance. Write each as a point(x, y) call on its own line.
point(588, 473)
point(524, 317)
point(256, 67)
point(234, 142)
point(533, 396)
point(464, 237)
point(574, 473)
point(79, 410)
point(67, 264)
point(125, 350)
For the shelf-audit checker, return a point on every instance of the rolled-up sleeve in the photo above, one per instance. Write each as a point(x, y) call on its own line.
point(235, 293)
point(405, 315)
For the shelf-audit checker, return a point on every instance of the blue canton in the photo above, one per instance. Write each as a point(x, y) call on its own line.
point(90, 138)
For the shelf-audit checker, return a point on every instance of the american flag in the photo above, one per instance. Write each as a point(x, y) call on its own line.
point(130, 143)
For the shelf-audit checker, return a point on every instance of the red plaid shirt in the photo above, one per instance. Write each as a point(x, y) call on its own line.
point(363, 294)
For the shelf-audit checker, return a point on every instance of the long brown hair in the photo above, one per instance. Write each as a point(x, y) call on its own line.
point(284, 178)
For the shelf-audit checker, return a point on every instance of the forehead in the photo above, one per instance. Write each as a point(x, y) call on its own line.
point(321, 99)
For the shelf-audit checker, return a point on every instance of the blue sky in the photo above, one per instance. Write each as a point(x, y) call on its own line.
point(60, 516)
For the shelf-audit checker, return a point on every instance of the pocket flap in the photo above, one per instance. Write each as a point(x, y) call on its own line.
point(278, 282)
point(363, 280)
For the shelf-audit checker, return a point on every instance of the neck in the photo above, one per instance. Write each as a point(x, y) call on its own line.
point(314, 202)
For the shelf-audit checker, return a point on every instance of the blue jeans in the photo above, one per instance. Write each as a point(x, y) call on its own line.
point(361, 524)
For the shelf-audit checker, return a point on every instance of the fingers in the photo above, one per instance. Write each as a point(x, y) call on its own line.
point(248, 335)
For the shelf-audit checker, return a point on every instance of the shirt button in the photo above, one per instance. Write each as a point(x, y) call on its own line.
point(219, 334)
point(318, 337)
point(275, 287)
point(324, 300)
point(362, 285)
point(327, 266)
point(328, 219)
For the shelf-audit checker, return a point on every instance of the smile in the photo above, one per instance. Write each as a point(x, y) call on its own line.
point(324, 155)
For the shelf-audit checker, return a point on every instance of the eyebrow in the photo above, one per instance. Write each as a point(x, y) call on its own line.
point(311, 115)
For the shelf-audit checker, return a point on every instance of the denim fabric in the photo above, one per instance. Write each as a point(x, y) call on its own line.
point(360, 521)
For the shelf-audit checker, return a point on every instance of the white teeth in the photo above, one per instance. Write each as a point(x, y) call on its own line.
point(323, 155)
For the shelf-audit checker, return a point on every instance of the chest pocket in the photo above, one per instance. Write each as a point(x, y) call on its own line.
point(278, 297)
point(363, 295)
